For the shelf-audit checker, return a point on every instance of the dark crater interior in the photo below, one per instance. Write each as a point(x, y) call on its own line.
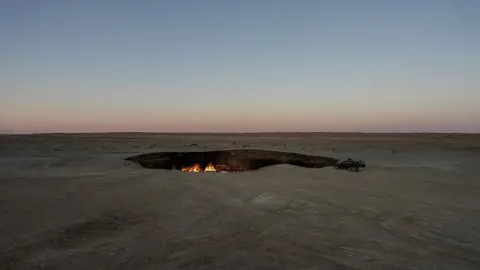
point(229, 160)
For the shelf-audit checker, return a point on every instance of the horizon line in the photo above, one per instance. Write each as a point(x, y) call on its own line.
point(237, 133)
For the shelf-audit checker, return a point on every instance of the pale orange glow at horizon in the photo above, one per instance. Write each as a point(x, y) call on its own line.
point(248, 66)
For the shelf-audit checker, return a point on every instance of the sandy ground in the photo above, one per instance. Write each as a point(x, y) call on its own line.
point(72, 202)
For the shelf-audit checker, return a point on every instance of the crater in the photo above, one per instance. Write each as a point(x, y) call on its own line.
point(236, 160)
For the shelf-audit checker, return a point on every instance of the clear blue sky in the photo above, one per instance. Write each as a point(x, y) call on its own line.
point(227, 66)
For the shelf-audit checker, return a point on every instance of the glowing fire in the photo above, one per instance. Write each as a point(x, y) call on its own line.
point(194, 168)
point(210, 168)
point(197, 168)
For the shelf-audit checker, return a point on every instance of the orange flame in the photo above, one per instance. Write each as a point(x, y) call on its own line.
point(197, 168)
point(194, 168)
point(210, 168)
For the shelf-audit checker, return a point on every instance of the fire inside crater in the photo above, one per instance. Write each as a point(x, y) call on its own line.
point(236, 160)
point(197, 168)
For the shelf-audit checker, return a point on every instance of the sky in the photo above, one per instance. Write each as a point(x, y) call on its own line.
point(240, 66)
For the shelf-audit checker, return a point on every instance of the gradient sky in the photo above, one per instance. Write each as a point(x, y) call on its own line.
point(240, 66)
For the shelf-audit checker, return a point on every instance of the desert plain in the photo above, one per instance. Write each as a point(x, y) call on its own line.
point(71, 201)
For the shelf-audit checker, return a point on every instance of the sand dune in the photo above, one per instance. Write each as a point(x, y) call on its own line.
point(73, 202)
